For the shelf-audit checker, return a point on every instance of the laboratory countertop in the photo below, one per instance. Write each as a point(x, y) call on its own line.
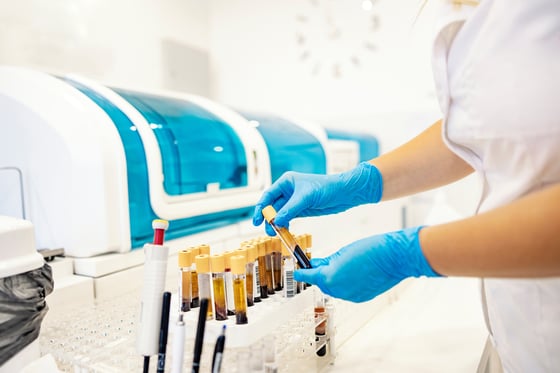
point(437, 325)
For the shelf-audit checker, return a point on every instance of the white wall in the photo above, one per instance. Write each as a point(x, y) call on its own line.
point(258, 64)
point(116, 41)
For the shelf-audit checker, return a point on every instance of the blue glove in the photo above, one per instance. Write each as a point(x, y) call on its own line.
point(297, 195)
point(368, 267)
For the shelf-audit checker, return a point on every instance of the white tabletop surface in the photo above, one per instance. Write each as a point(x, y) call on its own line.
point(436, 326)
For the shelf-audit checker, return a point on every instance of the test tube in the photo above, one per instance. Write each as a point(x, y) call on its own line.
point(219, 286)
point(269, 352)
point(253, 254)
point(261, 268)
point(239, 289)
point(194, 278)
point(229, 283)
point(331, 330)
point(243, 254)
point(288, 268)
point(243, 362)
point(204, 249)
point(300, 239)
point(320, 322)
point(277, 263)
point(257, 357)
point(286, 237)
point(269, 265)
point(308, 253)
point(244, 251)
point(204, 281)
point(185, 295)
point(308, 245)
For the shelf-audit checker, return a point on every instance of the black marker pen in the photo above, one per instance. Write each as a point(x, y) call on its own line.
point(163, 329)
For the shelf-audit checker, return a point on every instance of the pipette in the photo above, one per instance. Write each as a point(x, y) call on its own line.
point(155, 267)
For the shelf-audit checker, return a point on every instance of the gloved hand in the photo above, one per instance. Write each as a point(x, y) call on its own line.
point(296, 194)
point(368, 267)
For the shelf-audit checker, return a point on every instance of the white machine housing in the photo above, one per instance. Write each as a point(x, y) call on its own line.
point(74, 168)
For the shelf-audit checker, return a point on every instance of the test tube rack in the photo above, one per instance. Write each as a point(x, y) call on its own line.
point(264, 318)
point(102, 338)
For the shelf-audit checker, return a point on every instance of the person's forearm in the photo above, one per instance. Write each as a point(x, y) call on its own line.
point(423, 163)
point(521, 239)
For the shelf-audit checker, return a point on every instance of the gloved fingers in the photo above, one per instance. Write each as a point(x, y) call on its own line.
point(257, 215)
point(269, 230)
point(305, 200)
point(277, 196)
point(314, 275)
point(282, 187)
point(311, 276)
point(316, 262)
point(274, 192)
point(290, 210)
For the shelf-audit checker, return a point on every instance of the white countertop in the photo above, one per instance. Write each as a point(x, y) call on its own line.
point(436, 326)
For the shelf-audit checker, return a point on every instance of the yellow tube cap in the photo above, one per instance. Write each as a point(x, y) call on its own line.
point(261, 248)
point(252, 252)
point(269, 244)
point(218, 263)
point(202, 263)
point(227, 256)
point(185, 258)
point(276, 244)
point(194, 251)
point(204, 249)
point(238, 264)
point(269, 213)
point(243, 251)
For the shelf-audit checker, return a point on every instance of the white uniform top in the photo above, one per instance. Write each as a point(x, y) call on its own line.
point(497, 73)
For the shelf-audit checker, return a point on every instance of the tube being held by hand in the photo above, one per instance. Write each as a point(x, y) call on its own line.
point(286, 237)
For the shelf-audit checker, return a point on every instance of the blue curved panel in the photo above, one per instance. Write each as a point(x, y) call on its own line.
point(290, 147)
point(368, 144)
point(140, 210)
point(197, 148)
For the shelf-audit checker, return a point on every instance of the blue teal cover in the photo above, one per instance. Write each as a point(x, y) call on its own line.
point(197, 149)
point(290, 147)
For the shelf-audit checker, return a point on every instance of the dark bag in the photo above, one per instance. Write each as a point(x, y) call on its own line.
point(22, 309)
